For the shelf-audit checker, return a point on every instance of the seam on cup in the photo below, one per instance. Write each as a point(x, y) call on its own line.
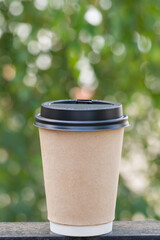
point(64, 224)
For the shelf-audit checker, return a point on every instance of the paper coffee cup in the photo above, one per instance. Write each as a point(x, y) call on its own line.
point(81, 144)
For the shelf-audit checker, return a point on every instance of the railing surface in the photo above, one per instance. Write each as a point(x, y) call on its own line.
point(148, 230)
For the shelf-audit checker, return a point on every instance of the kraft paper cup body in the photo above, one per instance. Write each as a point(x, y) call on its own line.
point(81, 144)
point(81, 171)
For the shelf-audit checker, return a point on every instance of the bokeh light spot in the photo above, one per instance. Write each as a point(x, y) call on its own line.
point(105, 4)
point(156, 27)
point(94, 58)
point(23, 31)
point(85, 36)
point(2, 20)
point(1, 33)
point(33, 47)
point(144, 43)
point(81, 93)
point(98, 43)
point(46, 39)
point(16, 8)
point(30, 80)
point(93, 16)
point(153, 83)
point(9, 72)
point(41, 4)
point(28, 194)
point(119, 49)
point(12, 27)
point(15, 122)
point(87, 77)
point(3, 155)
point(43, 61)
point(5, 200)
point(56, 4)
point(138, 216)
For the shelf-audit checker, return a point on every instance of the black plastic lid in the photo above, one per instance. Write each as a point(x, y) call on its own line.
point(81, 115)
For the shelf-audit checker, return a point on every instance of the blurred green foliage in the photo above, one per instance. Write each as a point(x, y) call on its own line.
point(58, 49)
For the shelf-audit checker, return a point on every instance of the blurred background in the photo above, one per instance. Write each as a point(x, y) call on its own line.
point(59, 49)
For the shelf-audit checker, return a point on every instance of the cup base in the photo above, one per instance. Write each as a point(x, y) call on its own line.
point(81, 231)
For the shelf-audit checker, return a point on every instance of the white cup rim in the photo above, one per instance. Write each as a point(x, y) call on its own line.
point(81, 231)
